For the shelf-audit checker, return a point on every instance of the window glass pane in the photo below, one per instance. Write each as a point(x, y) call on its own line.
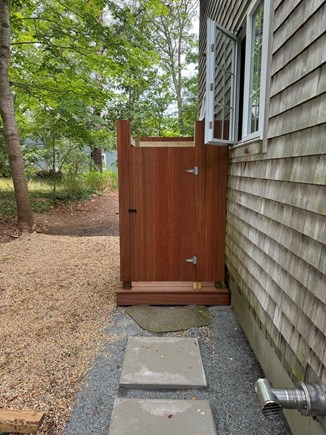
point(223, 86)
point(255, 68)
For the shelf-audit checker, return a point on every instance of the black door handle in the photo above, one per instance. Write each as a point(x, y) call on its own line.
point(132, 210)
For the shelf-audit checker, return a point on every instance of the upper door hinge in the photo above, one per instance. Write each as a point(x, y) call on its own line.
point(193, 170)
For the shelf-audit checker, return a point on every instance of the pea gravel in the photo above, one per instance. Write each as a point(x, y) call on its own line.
point(230, 366)
point(56, 294)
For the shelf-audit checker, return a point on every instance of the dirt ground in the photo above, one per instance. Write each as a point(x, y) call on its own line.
point(56, 293)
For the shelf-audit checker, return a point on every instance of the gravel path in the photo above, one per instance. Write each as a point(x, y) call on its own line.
point(56, 294)
point(230, 366)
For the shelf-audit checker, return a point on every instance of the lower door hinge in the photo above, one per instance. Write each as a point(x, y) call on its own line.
point(192, 260)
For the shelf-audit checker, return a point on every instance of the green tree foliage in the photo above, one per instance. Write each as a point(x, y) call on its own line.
point(176, 45)
point(139, 49)
point(77, 66)
point(56, 57)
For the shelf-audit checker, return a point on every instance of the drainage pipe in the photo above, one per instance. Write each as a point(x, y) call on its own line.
point(309, 399)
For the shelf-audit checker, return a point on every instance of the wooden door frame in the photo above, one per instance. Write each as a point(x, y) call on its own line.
point(210, 193)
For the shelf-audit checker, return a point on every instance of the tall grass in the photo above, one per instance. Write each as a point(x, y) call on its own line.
point(68, 188)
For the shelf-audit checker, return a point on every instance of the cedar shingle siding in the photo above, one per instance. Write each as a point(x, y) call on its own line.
point(276, 225)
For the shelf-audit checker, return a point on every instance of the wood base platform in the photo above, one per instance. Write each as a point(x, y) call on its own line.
point(173, 293)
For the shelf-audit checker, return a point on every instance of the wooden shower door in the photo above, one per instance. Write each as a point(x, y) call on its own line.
point(162, 214)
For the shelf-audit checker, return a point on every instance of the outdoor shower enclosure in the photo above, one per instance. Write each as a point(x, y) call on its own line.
point(172, 210)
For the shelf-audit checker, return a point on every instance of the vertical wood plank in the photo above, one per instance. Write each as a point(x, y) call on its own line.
point(210, 207)
point(163, 227)
point(178, 215)
point(200, 201)
point(123, 145)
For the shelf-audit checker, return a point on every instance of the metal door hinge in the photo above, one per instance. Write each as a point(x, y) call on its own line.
point(193, 170)
point(192, 260)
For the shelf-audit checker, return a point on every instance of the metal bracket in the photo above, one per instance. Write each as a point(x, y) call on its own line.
point(193, 170)
point(311, 377)
point(192, 260)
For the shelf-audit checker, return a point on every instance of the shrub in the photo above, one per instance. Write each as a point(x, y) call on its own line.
point(74, 187)
point(100, 182)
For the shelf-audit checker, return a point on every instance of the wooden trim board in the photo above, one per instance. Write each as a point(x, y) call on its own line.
point(173, 293)
point(20, 421)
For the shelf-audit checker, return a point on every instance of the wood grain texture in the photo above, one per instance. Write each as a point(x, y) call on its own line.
point(211, 207)
point(304, 196)
point(291, 169)
point(283, 10)
point(20, 421)
point(276, 209)
point(178, 294)
point(297, 14)
point(123, 145)
point(306, 115)
point(312, 30)
point(168, 214)
point(302, 228)
point(172, 144)
point(162, 192)
point(295, 144)
point(300, 66)
point(309, 87)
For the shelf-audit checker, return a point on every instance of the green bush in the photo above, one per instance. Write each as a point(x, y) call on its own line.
point(113, 180)
point(7, 209)
point(97, 181)
point(73, 187)
point(43, 196)
point(100, 182)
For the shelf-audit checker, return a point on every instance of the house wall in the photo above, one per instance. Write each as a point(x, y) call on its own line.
point(276, 225)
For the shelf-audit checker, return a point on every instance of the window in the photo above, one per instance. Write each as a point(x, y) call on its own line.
point(220, 84)
point(236, 78)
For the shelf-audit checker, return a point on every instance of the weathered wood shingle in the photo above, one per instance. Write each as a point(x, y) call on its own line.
point(276, 218)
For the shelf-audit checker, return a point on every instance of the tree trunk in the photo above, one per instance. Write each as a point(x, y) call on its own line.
point(24, 210)
point(97, 158)
point(96, 153)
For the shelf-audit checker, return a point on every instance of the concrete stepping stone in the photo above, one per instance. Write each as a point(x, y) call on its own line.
point(161, 417)
point(162, 363)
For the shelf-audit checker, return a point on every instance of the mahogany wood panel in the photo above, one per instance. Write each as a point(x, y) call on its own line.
point(166, 139)
point(123, 144)
point(175, 215)
point(211, 193)
point(176, 296)
point(162, 228)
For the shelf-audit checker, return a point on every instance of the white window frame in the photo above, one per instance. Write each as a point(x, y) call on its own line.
point(259, 134)
point(104, 161)
point(210, 82)
point(210, 78)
